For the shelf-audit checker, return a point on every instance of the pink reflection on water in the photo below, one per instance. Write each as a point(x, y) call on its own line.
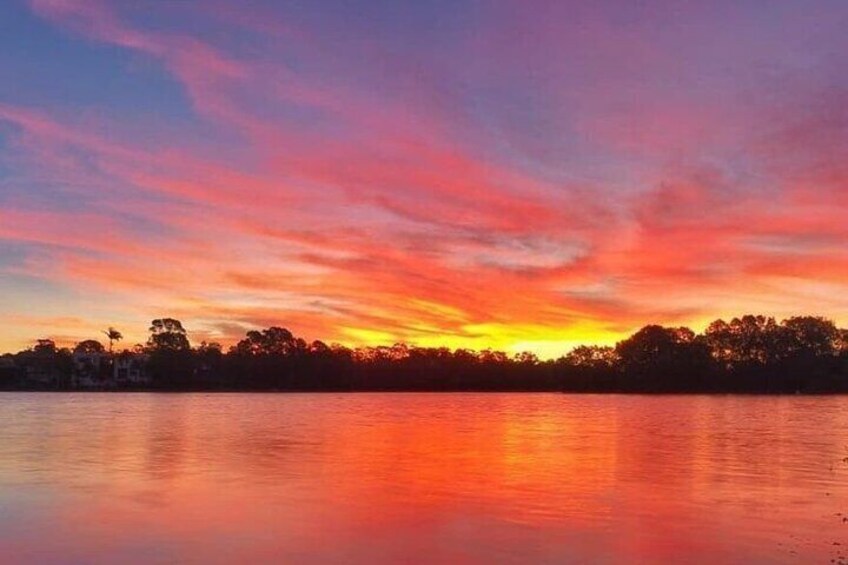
point(459, 478)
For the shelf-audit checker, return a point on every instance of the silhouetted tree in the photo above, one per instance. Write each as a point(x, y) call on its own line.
point(747, 340)
point(843, 342)
point(170, 354)
point(47, 365)
point(44, 347)
point(167, 334)
point(88, 347)
point(271, 341)
point(526, 358)
point(747, 354)
point(113, 335)
point(592, 357)
point(590, 367)
point(664, 359)
point(318, 347)
point(812, 335)
point(210, 349)
point(208, 362)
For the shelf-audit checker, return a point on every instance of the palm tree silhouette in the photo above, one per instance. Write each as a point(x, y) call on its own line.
point(113, 335)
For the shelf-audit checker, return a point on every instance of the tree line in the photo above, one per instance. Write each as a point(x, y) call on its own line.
point(749, 354)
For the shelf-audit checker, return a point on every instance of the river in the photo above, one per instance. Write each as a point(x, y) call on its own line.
point(422, 478)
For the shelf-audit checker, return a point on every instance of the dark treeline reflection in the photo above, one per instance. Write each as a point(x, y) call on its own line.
point(748, 354)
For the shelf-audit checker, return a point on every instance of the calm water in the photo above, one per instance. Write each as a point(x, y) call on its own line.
point(450, 478)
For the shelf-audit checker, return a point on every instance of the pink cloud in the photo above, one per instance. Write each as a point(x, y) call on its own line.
point(334, 207)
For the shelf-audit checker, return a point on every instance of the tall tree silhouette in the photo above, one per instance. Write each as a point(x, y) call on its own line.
point(171, 360)
point(168, 334)
point(113, 335)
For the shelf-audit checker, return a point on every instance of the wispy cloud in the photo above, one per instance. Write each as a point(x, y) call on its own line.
point(509, 178)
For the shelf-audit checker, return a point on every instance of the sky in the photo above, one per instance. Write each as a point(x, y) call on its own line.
point(520, 175)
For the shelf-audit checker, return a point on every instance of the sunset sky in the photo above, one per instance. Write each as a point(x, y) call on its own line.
point(517, 175)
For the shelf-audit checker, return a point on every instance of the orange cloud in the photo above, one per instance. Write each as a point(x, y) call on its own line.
point(397, 201)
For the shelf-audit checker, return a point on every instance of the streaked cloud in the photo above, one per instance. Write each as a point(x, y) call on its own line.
point(472, 175)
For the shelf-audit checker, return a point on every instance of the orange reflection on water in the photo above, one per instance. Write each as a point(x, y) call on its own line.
point(370, 478)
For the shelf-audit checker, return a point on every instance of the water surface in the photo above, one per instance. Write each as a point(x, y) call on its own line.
point(450, 478)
